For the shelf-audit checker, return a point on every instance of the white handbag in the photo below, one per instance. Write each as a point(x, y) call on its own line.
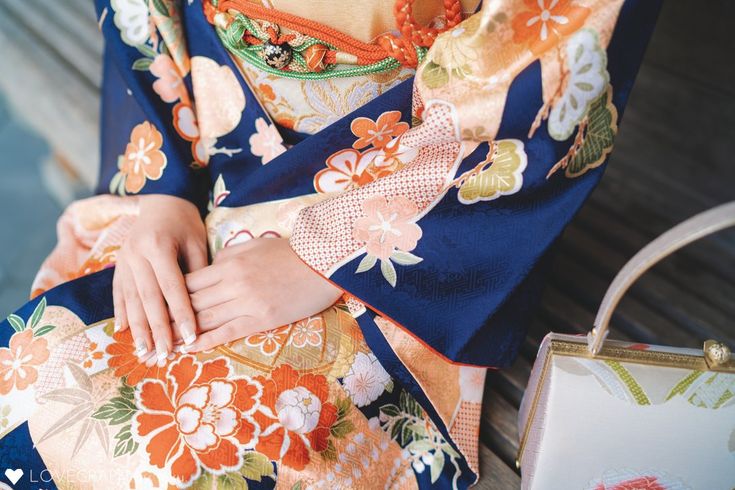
point(608, 415)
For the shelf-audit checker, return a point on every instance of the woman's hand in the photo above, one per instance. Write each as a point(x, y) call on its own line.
point(149, 282)
point(256, 286)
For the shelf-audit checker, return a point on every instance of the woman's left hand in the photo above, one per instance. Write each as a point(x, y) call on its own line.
point(253, 287)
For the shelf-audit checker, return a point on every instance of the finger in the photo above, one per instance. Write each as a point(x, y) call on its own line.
point(195, 256)
point(171, 281)
point(118, 301)
point(212, 296)
point(233, 330)
point(217, 316)
point(154, 306)
point(203, 278)
point(138, 322)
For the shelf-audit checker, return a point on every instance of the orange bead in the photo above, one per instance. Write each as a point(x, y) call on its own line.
point(314, 56)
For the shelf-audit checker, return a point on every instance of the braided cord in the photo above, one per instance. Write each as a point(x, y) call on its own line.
point(232, 38)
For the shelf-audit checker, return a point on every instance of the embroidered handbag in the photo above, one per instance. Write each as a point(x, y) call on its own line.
point(604, 415)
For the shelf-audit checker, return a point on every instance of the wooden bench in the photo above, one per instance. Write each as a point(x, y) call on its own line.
point(673, 158)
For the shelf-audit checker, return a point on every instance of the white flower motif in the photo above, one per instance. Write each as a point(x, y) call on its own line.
point(587, 79)
point(131, 17)
point(366, 380)
point(298, 410)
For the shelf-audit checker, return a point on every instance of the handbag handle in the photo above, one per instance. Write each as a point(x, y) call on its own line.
point(696, 227)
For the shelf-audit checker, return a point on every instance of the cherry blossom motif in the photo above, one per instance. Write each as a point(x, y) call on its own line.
point(346, 169)
point(201, 418)
point(308, 331)
point(295, 416)
point(366, 380)
point(546, 22)
point(387, 226)
point(267, 142)
point(169, 86)
point(269, 342)
point(18, 361)
point(143, 158)
point(379, 132)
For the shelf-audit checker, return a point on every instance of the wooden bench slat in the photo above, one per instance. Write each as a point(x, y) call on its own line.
point(498, 428)
point(80, 28)
point(693, 266)
point(690, 319)
point(494, 473)
point(52, 38)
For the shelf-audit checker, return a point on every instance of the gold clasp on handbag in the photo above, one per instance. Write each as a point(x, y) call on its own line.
point(717, 354)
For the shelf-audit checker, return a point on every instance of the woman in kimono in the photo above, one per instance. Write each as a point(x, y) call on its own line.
point(374, 184)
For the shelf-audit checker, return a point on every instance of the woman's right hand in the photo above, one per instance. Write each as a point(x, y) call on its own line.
point(149, 282)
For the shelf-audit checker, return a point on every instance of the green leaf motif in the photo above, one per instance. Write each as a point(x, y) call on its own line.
point(160, 7)
point(16, 322)
point(437, 465)
point(37, 313)
point(389, 272)
point(600, 134)
point(142, 64)
point(146, 51)
point(405, 258)
point(367, 263)
point(125, 443)
point(255, 466)
point(43, 330)
point(434, 76)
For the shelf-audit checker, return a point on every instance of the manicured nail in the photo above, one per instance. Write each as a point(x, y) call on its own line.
point(183, 349)
point(141, 349)
point(188, 333)
point(117, 326)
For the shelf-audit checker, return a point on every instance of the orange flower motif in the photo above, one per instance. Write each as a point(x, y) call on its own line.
point(379, 132)
point(96, 263)
point(92, 355)
point(143, 158)
point(345, 170)
point(200, 418)
point(270, 341)
point(126, 364)
point(19, 360)
point(387, 226)
point(295, 417)
point(546, 22)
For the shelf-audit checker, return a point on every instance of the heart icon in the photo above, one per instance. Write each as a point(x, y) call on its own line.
point(13, 475)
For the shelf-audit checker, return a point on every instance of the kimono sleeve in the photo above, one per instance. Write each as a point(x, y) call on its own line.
point(515, 112)
point(150, 139)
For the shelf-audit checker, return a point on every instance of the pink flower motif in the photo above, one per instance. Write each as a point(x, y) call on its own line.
point(169, 86)
point(266, 142)
point(387, 226)
point(345, 170)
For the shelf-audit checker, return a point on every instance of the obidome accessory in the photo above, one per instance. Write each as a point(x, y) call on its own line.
point(311, 50)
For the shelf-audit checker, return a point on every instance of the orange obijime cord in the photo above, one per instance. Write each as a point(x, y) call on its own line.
point(342, 47)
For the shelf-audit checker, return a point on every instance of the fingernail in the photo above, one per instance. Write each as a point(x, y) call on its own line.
point(140, 348)
point(117, 326)
point(161, 354)
point(188, 333)
point(183, 349)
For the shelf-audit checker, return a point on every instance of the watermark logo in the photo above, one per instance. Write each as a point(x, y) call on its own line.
point(13, 475)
